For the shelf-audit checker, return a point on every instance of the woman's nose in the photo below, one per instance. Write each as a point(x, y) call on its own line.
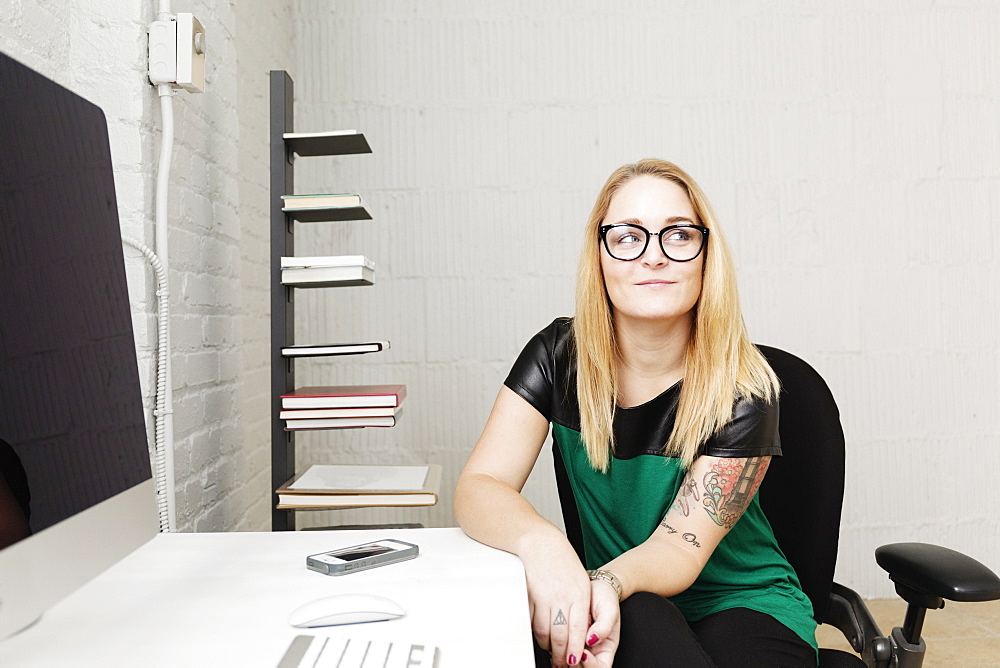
point(654, 256)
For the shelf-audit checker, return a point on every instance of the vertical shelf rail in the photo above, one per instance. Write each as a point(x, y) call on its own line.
point(282, 304)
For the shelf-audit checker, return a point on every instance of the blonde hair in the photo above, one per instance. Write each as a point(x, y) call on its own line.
point(721, 362)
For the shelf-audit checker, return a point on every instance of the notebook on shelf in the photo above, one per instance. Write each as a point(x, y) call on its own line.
point(347, 486)
point(344, 396)
point(327, 349)
point(322, 201)
point(308, 424)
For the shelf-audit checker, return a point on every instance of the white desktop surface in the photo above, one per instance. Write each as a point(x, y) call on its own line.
point(223, 599)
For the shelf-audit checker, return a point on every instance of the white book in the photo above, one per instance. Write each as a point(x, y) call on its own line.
point(332, 276)
point(320, 201)
point(314, 135)
point(326, 261)
point(326, 349)
point(320, 501)
point(318, 413)
point(358, 478)
point(339, 423)
point(345, 486)
point(344, 396)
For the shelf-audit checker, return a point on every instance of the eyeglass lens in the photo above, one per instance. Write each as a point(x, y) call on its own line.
point(628, 242)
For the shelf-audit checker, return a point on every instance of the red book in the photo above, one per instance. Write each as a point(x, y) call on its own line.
point(345, 396)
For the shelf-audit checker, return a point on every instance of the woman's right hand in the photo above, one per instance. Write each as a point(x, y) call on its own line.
point(558, 599)
point(602, 637)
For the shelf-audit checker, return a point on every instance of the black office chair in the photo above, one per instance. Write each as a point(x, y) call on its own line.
point(804, 511)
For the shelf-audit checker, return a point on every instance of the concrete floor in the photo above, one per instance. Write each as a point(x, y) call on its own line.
point(960, 634)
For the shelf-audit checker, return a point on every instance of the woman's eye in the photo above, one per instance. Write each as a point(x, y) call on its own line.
point(628, 238)
point(680, 235)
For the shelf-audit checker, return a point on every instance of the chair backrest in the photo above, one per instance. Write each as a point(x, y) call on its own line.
point(803, 490)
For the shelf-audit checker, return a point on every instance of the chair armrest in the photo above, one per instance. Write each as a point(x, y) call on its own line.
point(848, 612)
point(938, 572)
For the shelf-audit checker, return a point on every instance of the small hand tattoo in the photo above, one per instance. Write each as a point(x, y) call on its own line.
point(560, 619)
point(666, 526)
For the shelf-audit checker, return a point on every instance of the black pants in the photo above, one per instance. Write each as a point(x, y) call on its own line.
point(654, 634)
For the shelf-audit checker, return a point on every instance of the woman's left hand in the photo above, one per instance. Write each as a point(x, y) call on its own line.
point(602, 636)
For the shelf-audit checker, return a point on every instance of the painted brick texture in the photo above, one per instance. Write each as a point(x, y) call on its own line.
point(219, 265)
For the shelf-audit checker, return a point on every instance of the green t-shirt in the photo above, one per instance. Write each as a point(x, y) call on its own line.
point(620, 509)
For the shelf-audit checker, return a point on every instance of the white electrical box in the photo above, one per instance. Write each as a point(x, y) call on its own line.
point(162, 52)
point(177, 53)
point(190, 53)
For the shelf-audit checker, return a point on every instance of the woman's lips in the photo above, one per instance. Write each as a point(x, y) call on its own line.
point(656, 282)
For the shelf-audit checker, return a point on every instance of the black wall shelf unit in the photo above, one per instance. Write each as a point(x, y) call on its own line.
point(286, 144)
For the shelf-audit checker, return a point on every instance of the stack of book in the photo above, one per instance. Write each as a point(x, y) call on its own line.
point(328, 271)
point(342, 406)
point(340, 486)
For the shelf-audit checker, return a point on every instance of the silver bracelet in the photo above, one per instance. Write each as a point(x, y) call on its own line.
point(609, 577)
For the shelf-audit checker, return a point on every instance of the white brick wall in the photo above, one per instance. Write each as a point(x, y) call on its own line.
point(218, 222)
point(219, 262)
point(850, 148)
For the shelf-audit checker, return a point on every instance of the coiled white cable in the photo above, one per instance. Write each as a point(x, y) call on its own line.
point(161, 408)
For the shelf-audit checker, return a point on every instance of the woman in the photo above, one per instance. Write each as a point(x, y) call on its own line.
point(665, 415)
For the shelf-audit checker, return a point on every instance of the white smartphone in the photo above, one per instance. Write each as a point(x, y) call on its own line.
point(361, 557)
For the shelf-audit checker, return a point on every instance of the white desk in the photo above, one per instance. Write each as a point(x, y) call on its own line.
point(223, 600)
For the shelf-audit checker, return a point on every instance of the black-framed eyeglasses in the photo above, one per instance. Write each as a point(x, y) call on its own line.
point(680, 243)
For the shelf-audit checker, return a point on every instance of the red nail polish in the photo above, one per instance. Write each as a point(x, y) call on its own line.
point(572, 659)
point(592, 640)
point(584, 658)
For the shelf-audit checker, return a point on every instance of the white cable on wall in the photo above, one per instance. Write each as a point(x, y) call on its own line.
point(176, 59)
point(161, 410)
point(166, 93)
point(162, 70)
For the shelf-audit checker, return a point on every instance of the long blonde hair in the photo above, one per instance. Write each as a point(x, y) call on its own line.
point(721, 362)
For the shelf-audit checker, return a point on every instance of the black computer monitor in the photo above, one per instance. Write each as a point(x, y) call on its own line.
point(76, 492)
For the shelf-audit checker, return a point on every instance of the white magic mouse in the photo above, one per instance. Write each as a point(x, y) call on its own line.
point(345, 609)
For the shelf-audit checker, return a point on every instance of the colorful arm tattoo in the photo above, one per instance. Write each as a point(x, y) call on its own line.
point(730, 486)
